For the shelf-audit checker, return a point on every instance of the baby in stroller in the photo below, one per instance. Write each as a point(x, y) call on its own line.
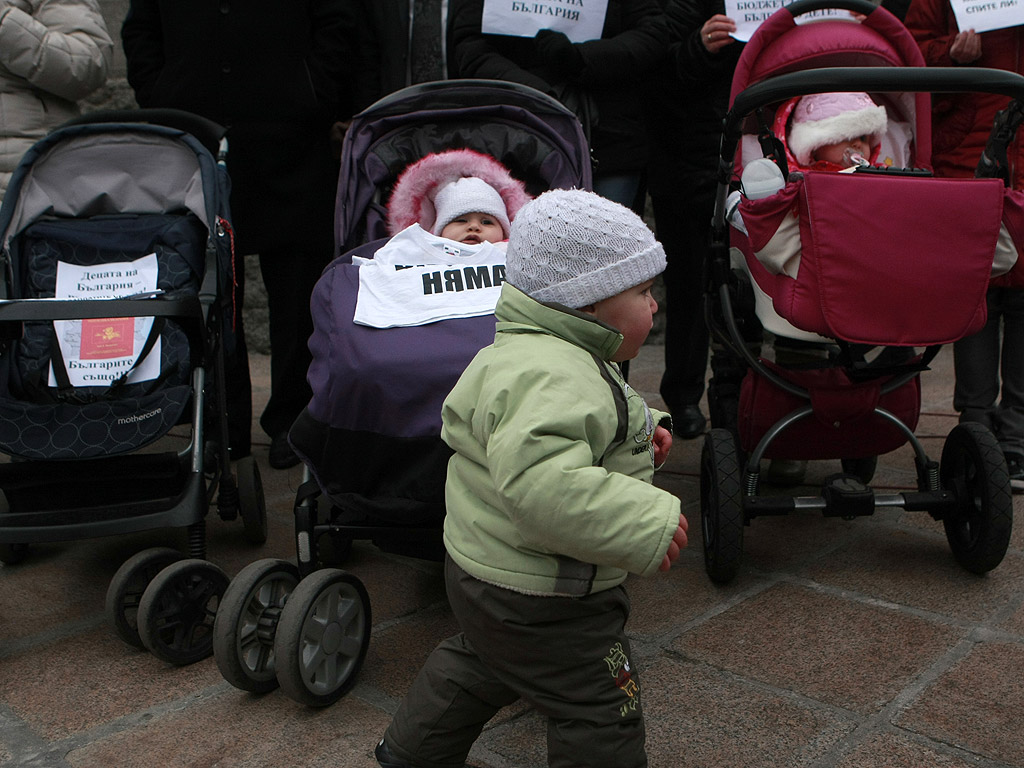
point(839, 132)
point(833, 131)
point(379, 313)
point(447, 210)
point(822, 261)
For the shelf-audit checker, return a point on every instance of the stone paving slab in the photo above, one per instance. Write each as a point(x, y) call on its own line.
point(846, 644)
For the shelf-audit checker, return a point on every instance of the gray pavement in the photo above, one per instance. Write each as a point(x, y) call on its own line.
point(851, 644)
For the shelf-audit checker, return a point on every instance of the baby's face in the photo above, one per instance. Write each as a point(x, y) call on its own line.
point(834, 153)
point(474, 228)
point(632, 314)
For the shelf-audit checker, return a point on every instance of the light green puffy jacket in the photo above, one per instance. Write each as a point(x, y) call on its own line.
point(549, 489)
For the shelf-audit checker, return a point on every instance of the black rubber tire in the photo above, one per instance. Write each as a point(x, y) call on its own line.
point(863, 469)
point(252, 506)
point(246, 623)
point(177, 611)
point(974, 470)
point(12, 554)
point(127, 587)
point(323, 637)
point(721, 505)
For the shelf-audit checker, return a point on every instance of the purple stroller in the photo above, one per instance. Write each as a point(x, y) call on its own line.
point(370, 436)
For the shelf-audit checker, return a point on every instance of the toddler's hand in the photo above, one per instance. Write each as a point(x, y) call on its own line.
point(662, 445)
point(675, 546)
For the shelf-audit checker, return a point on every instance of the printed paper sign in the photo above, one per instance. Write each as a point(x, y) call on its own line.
point(99, 350)
point(986, 15)
point(749, 14)
point(580, 20)
point(418, 278)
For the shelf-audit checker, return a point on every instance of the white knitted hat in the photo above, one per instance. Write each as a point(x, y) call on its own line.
point(576, 248)
point(829, 118)
point(469, 195)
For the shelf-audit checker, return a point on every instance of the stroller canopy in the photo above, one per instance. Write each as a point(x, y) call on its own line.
point(781, 45)
point(533, 135)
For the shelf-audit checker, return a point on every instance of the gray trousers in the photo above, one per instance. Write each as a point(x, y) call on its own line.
point(569, 658)
point(989, 368)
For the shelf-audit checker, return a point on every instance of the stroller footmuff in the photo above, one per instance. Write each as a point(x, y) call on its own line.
point(875, 269)
point(370, 437)
point(115, 311)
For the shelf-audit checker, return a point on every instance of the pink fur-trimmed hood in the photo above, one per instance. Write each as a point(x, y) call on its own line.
point(412, 199)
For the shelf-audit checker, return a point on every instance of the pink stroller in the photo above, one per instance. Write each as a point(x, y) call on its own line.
point(877, 272)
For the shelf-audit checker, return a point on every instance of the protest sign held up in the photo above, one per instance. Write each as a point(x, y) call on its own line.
point(580, 20)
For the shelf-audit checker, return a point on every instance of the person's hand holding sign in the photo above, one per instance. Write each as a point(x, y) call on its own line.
point(966, 47)
point(716, 33)
point(556, 50)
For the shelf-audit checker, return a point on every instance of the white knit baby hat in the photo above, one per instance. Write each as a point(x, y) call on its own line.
point(575, 248)
point(828, 118)
point(468, 195)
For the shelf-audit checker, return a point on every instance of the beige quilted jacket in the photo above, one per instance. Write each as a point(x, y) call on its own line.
point(52, 53)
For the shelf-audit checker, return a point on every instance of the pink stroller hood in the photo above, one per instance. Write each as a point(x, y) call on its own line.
point(780, 45)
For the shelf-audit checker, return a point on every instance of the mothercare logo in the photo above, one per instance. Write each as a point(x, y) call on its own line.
point(135, 419)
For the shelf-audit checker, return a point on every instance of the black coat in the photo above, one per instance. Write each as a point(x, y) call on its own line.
point(632, 43)
point(381, 43)
point(688, 98)
point(381, 49)
point(270, 72)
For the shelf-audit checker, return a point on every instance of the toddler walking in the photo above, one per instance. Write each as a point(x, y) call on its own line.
point(549, 501)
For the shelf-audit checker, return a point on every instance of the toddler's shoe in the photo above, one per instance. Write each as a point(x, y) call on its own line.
point(388, 760)
point(1015, 465)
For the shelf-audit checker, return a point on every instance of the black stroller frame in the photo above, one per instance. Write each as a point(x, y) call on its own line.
point(159, 599)
point(969, 490)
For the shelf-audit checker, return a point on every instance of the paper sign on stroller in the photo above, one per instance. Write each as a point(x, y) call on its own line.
point(98, 351)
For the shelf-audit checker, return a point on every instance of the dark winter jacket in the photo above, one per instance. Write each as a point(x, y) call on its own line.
point(689, 97)
point(381, 63)
point(613, 70)
point(270, 72)
point(961, 122)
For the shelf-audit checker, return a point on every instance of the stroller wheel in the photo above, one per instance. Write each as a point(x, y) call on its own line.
point(863, 469)
point(12, 554)
point(721, 505)
point(322, 637)
point(246, 623)
point(177, 610)
point(127, 586)
point(974, 470)
point(251, 505)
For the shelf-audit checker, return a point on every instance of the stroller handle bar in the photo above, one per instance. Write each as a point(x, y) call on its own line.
point(879, 79)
